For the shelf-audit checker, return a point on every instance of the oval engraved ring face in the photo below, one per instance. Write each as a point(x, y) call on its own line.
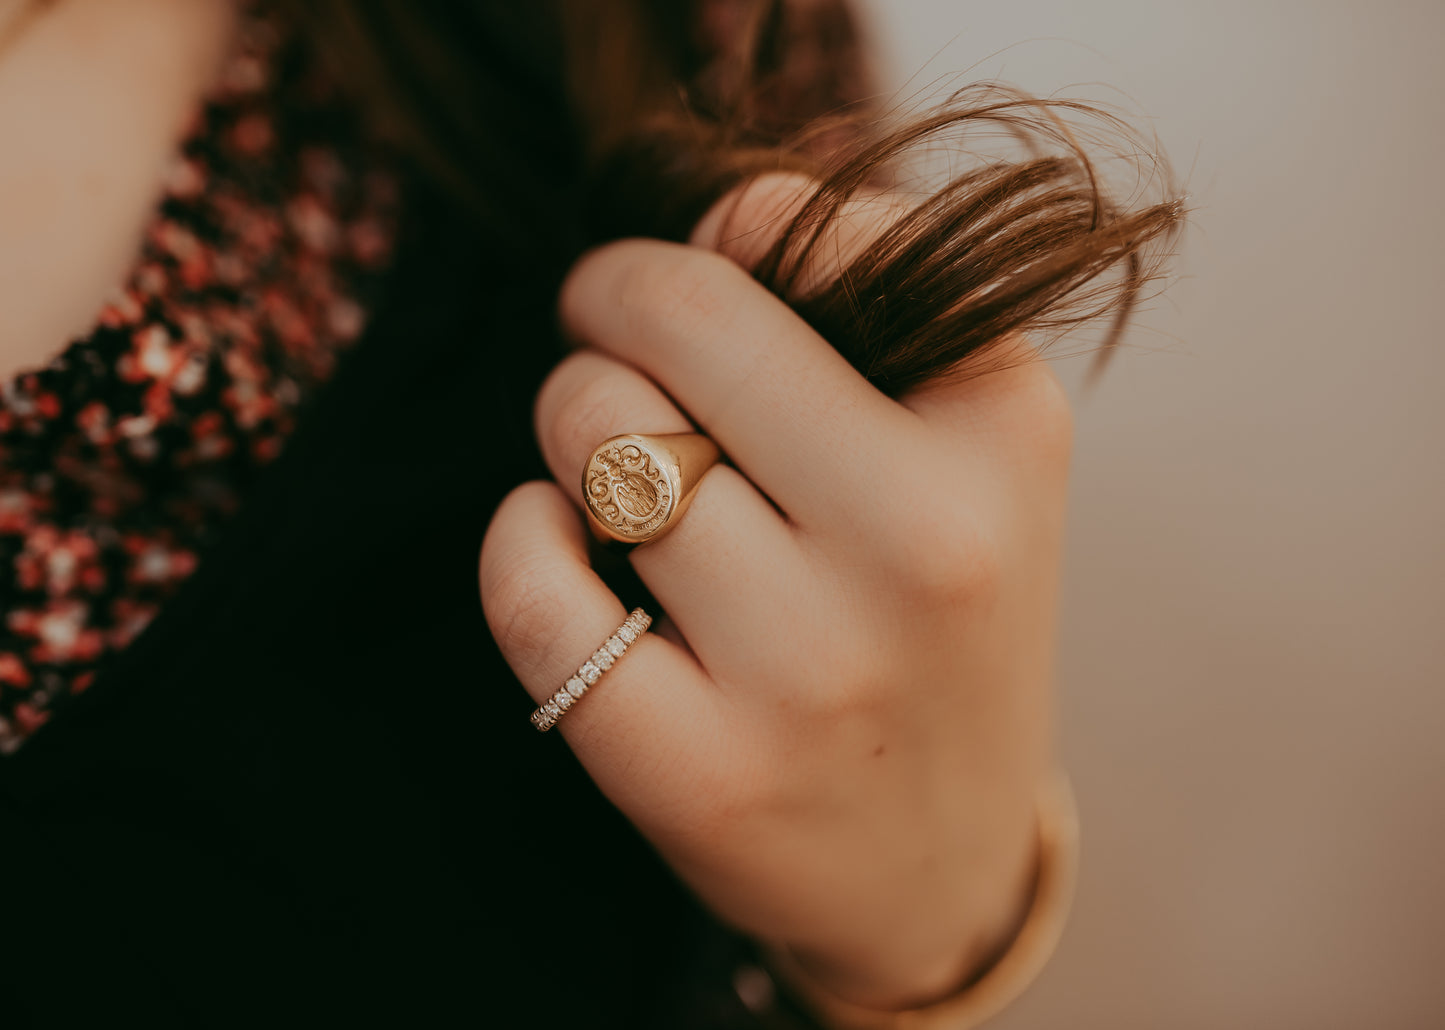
point(636, 486)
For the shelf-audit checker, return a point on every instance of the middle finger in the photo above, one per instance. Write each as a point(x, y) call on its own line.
point(730, 560)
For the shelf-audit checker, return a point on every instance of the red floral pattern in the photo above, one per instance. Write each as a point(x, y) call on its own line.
point(122, 459)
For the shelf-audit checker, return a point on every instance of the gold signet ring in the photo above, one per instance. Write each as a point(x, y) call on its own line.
point(637, 486)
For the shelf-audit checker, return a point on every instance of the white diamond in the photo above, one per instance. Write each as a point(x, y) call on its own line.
point(576, 687)
point(589, 673)
point(627, 633)
point(562, 700)
point(603, 659)
point(552, 710)
point(615, 647)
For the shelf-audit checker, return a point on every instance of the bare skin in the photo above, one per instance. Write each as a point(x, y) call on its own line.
point(837, 735)
point(94, 98)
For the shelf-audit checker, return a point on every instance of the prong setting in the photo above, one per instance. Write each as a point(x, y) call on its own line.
point(606, 656)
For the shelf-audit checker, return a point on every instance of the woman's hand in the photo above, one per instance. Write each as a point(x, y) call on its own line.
point(837, 733)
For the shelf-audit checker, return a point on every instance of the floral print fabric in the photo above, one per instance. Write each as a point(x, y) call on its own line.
point(122, 459)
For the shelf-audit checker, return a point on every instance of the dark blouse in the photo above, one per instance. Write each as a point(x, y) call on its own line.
point(307, 792)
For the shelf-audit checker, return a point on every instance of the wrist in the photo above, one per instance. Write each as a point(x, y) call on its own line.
point(986, 973)
point(940, 940)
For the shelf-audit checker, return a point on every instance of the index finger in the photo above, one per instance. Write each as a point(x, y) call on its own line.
point(786, 407)
point(746, 223)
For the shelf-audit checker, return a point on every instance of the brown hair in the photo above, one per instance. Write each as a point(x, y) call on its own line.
point(567, 122)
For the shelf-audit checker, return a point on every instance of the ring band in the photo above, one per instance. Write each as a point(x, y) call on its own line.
point(638, 486)
point(613, 648)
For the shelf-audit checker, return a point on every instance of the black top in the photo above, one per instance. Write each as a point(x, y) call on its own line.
point(378, 835)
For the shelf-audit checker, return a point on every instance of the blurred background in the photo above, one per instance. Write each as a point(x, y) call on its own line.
point(1252, 651)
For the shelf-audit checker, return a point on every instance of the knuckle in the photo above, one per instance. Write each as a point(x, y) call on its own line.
point(678, 295)
point(522, 605)
point(588, 410)
point(1049, 414)
point(523, 612)
point(861, 695)
point(1032, 415)
point(944, 568)
point(555, 392)
point(963, 573)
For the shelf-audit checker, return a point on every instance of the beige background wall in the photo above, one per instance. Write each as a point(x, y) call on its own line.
point(1252, 659)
